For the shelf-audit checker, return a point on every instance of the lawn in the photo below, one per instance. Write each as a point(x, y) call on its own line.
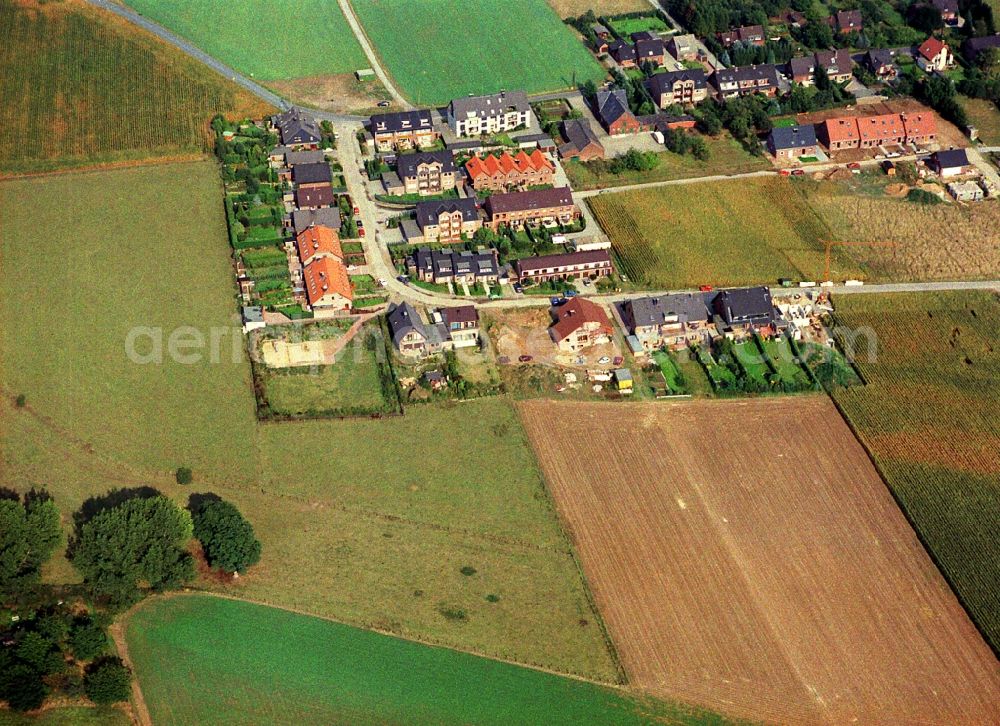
point(930, 416)
point(199, 658)
point(671, 237)
point(753, 363)
point(81, 86)
point(671, 374)
point(985, 116)
point(513, 45)
point(780, 353)
point(626, 26)
point(268, 39)
point(67, 716)
point(726, 157)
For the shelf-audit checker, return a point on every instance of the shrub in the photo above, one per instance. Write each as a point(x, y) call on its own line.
point(468, 571)
point(922, 196)
point(107, 681)
point(21, 400)
point(184, 475)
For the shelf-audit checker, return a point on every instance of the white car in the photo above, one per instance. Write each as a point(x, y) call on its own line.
point(604, 360)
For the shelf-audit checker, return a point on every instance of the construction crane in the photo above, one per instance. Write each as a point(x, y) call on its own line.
point(830, 244)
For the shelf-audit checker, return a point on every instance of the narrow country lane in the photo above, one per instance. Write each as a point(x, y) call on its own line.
point(380, 72)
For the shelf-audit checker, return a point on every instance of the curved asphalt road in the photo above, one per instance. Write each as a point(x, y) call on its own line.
point(255, 88)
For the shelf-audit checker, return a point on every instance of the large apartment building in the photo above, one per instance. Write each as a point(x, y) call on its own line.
point(425, 173)
point(446, 221)
point(493, 114)
point(685, 87)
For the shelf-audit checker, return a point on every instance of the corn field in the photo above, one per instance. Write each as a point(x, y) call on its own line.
point(80, 88)
point(930, 416)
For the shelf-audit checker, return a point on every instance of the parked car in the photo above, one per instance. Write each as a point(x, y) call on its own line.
point(618, 360)
point(586, 281)
point(517, 288)
point(798, 172)
point(405, 279)
point(556, 301)
point(361, 231)
point(604, 360)
point(706, 288)
point(525, 358)
point(784, 172)
point(383, 104)
point(570, 293)
point(356, 212)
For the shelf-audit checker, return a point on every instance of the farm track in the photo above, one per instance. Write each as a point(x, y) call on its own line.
point(730, 582)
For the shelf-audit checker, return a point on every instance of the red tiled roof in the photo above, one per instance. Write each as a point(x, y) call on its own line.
point(505, 163)
point(841, 129)
point(318, 241)
point(325, 276)
point(574, 314)
point(919, 125)
point(930, 48)
point(886, 126)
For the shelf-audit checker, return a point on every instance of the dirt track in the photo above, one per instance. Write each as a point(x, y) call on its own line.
point(747, 557)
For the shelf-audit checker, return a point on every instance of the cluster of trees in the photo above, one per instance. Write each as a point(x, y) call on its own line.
point(744, 117)
point(746, 54)
point(125, 544)
point(681, 142)
point(706, 17)
point(633, 160)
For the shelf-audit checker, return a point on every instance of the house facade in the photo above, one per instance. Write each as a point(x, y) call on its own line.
point(867, 132)
point(792, 142)
point(683, 47)
point(462, 324)
point(594, 263)
point(444, 266)
point(950, 162)
point(506, 172)
point(446, 221)
point(614, 114)
point(327, 285)
point(581, 141)
point(579, 324)
point(492, 114)
point(934, 55)
point(425, 173)
point(920, 128)
point(685, 87)
point(881, 63)
point(318, 241)
point(539, 206)
point(749, 309)
point(746, 80)
point(673, 321)
point(403, 130)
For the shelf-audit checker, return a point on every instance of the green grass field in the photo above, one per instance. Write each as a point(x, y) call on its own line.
point(985, 116)
point(930, 416)
point(67, 716)
point(201, 659)
point(780, 353)
point(726, 157)
point(437, 50)
point(269, 39)
point(671, 237)
point(626, 26)
point(81, 86)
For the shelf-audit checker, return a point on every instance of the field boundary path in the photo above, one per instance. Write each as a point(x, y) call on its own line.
point(373, 59)
point(117, 631)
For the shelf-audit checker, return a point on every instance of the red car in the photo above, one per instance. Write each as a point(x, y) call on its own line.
point(357, 211)
point(361, 231)
point(525, 358)
point(798, 172)
point(706, 288)
point(784, 172)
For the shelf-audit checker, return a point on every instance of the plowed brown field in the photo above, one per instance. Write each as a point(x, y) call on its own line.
point(747, 557)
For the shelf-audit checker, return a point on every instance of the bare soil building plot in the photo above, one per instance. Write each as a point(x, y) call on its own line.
point(747, 557)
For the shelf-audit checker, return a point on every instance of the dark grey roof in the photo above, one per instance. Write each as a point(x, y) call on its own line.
point(302, 219)
point(579, 134)
point(407, 164)
point(643, 35)
point(402, 319)
point(295, 126)
point(649, 48)
point(495, 104)
point(443, 263)
point(428, 212)
point(949, 6)
point(687, 307)
point(793, 137)
point(401, 122)
point(534, 199)
point(621, 51)
point(312, 173)
point(530, 264)
point(664, 82)
point(838, 60)
point(765, 71)
point(292, 158)
point(612, 104)
point(802, 66)
point(878, 57)
point(974, 46)
point(745, 305)
point(951, 158)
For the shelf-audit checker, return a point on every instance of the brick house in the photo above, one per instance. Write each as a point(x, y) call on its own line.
point(840, 133)
point(920, 128)
point(308, 176)
point(614, 114)
point(505, 172)
point(683, 47)
point(847, 21)
point(878, 130)
point(492, 114)
point(424, 173)
point(446, 221)
point(579, 324)
point(751, 34)
point(581, 141)
point(297, 129)
point(881, 63)
point(318, 241)
point(685, 87)
point(593, 264)
point(539, 206)
point(649, 49)
point(403, 130)
point(623, 53)
point(792, 142)
point(314, 197)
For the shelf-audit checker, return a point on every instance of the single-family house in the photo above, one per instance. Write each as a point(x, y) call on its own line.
point(614, 114)
point(593, 263)
point(749, 34)
point(579, 324)
point(425, 173)
point(537, 206)
point(650, 50)
point(444, 266)
point(403, 130)
point(448, 220)
point(623, 53)
point(315, 196)
point(492, 114)
point(881, 63)
point(666, 320)
point(302, 219)
point(747, 308)
point(327, 284)
point(683, 47)
point(462, 323)
point(297, 129)
point(950, 162)
point(934, 55)
point(410, 335)
point(847, 21)
point(581, 141)
point(949, 11)
point(312, 175)
point(317, 241)
point(793, 142)
point(505, 172)
point(837, 64)
point(685, 87)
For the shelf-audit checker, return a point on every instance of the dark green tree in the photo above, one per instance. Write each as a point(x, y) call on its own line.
point(87, 639)
point(22, 687)
point(29, 534)
point(107, 681)
point(139, 541)
point(226, 537)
